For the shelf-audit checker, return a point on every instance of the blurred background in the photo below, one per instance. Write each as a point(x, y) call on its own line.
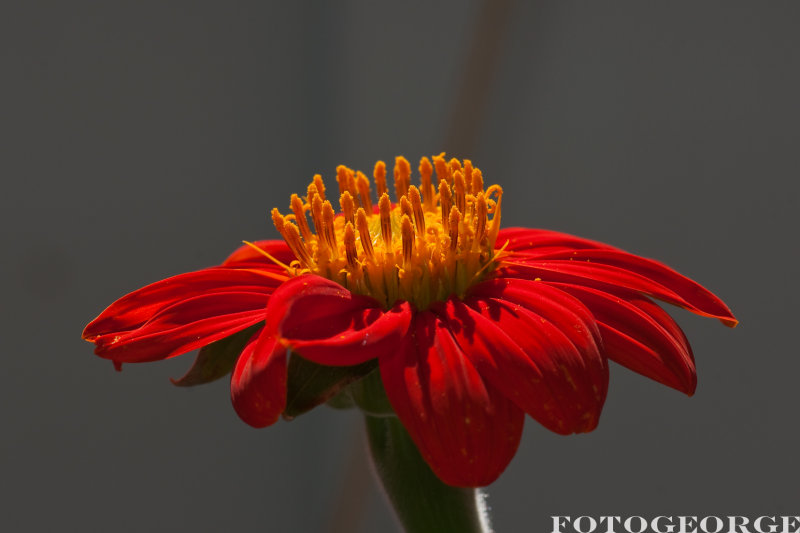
point(144, 139)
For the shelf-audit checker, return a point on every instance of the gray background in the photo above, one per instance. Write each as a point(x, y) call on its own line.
point(140, 140)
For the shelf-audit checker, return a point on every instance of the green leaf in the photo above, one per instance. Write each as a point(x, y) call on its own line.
point(216, 360)
point(310, 384)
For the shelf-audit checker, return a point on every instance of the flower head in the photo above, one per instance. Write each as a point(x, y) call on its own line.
point(472, 326)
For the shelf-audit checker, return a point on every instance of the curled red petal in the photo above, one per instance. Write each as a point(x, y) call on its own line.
point(605, 269)
point(329, 325)
point(258, 382)
point(246, 254)
point(184, 326)
point(463, 427)
point(531, 360)
point(550, 302)
point(641, 336)
point(134, 309)
point(534, 242)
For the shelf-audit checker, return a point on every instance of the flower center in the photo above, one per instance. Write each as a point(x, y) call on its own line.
point(435, 241)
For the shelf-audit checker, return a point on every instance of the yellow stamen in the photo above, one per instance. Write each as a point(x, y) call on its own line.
point(316, 215)
point(494, 229)
point(385, 207)
point(362, 184)
point(350, 246)
point(426, 172)
point(416, 208)
point(454, 220)
point(455, 166)
point(278, 219)
point(477, 181)
point(407, 236)
point(468, 174)
point(327, 223)
point(436, 242)
point(460, 187)
point(380, 178)
point(446, 202)
point(346, 179)
point(482, 219)
point(402, 176)
point(363, 232)
point(348, 207)
point(405, 207)
point(267, 273)
point(292, 237)
point(299, 211)
point(311, 192)
point(319, 185)
point(442, 170)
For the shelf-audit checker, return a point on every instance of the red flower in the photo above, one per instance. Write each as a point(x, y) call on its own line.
point(472, 326)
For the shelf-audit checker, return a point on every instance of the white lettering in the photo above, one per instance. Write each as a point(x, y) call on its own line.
point(733, 527)
point(610, 522)
point(791, 521)
point(629, 527)
point(773, 527)
point(654, 525)
point(577, 524)
point(704, 524)
point(686, 522)
point(558, 523)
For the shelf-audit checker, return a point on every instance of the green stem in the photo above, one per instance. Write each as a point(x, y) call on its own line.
point(423, 503)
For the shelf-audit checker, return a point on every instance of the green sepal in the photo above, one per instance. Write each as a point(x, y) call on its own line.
point(216, 360)
point(370, 396)
point(310, 384)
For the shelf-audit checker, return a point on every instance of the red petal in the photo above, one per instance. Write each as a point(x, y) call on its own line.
point(258, 382)
point(535, 242)
point(605, 269)
point(639, 335)
point(136, 308)
point(531, 358)
point(553, 304)
point(246, 254)
point(184, 326)
point(466, 431)
point(329, 325)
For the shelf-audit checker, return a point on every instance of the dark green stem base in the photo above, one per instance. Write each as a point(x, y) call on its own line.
point(423, 503)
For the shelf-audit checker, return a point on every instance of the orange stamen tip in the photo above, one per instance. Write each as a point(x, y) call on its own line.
point(477, 181)
point(442, 169)
point(425, 168)
point(402, 176)
point(405, 207)
point(379, 173)
point(277, 219)
point(347, 205)
point(362, 186)
point(320, 185)
point(384, 205)
point(311, 193)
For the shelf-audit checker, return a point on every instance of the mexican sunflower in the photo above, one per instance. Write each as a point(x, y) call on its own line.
point(472, 326)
